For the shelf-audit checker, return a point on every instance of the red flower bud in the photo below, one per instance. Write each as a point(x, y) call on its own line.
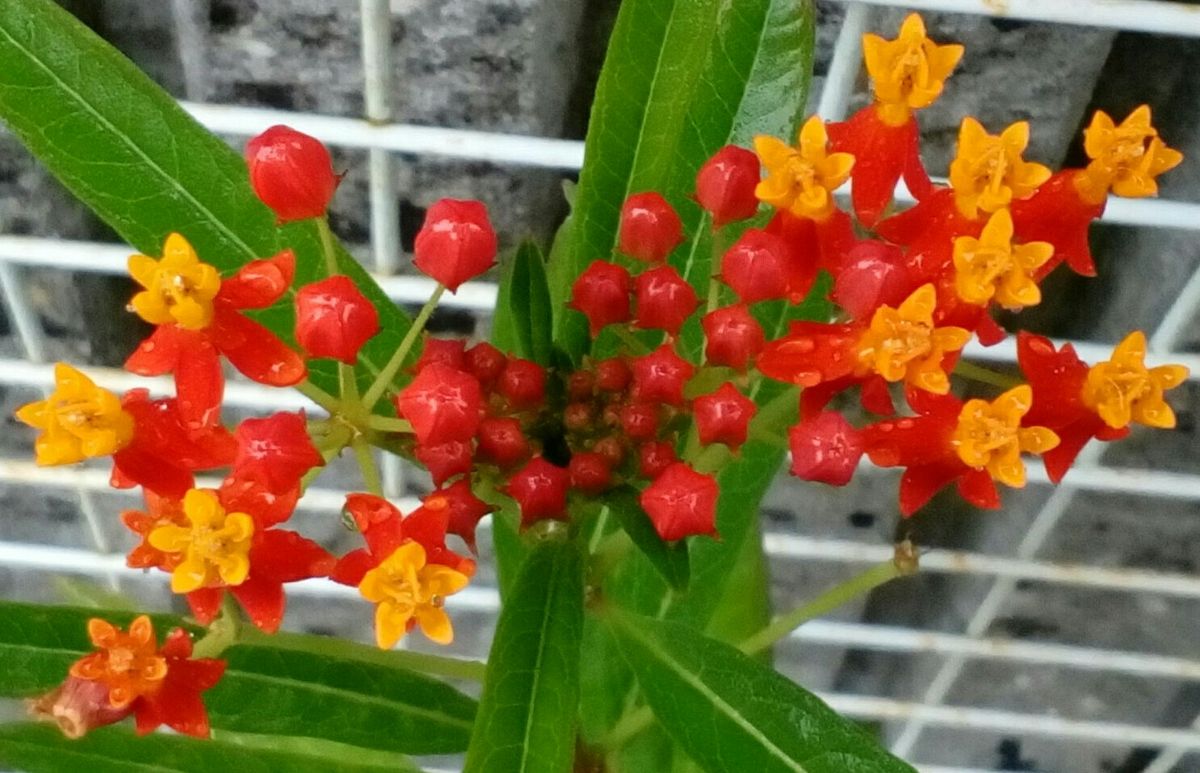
point(78, 706)
point(873, 275)
point(724, 416)
point(577, 416)
point(276, 451)
point(502, 441)
point(581, 385)
point(291, 173)
point(442, 404)
point(612, 375)
point(756, 267)
point(334, 319)
point(725, 185)
point(447, 351)
point(485, 362)
point(601, 293)
point(611, 448)
point(445, 460)
point(523, 384)
point(650, 229)
point(659, 377)
point(590, 472)
point(682, 502)
point(456, 243)
point(640, 421)
point(733, 337)
point(465, 509)
point(825, 449)
point(664, 300)
point(540, 490)
point(655, 457)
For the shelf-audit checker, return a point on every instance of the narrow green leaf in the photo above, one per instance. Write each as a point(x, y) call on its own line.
point(43, 749)
point(526, 721)
point(732, 714)
point(266, 689)
point(523, 317)
point(128, 151)
point(671, 561)
point(682, 78)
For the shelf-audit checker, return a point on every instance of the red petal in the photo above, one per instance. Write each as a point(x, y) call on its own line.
point(259, 283)
point(249, 495)
point(353, 566)
point(978, 488)
point(159, 353)
point(175, 706)
point(919, 484)
point(876, 397)
point(206, 603)
point(152, 471)
point(263, 601)
point(881, 154)
point(379, 522)
point(199, 385)
point(810, 354)
point(285, 556)
point(255, 351)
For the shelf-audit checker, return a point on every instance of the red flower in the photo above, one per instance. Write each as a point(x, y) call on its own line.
point(590, 472)
point(725, 185)
point(639, 421)
point(385, 529)
point(724, 416)
point(130, 674)
point(659, 377)
point(445, 460)
point(456, 243)
point(883, 153)
point(756, 267)
point(291, 173)
point(664, 300)
point(164, 452)
point(276, 451)
point(733, 337)
point(447, 351)
point(334, 319)
point(682, 502)
point(825, 449)
point(464, 510)
point(502, 441)
point(649, 228)
point(1058, 214)
point(540, 490)
point(612, 375)
point(485, 362)
point(194, 326)
point(654, 457)
point(874, 274)
point(523, 384)
point(601, 293)
point(442, 404)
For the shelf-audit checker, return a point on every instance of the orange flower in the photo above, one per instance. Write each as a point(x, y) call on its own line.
point(1124, 390)
point(989, 435)
point(902, 344)
point(908, 72)
point(801, 179)
point(993, 267)
point(988, 171)
point(1125, 158)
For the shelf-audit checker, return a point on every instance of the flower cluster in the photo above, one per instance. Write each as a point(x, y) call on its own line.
point(669, 394)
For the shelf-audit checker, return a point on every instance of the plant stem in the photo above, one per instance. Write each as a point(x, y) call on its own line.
point(362, 452)
point(380, 385)
point(714, 281)
point(389, 424)
point(319, 396)
point(331, 266)
point(222, 632)
point(985, 375)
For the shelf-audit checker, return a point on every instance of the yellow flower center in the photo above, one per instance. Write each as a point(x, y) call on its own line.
point(1125, 158)
point(128, 663)
point(988, 172)
point(1123, 390)
point(179, 289)
point(903, 344)
point(214, 545)
point(993, 267)
point(908, 72)
point(79, 420)
point(409, 591)
point(801, 179)
point(989, 435)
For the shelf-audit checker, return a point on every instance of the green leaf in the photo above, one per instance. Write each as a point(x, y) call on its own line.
point(128, 151)
point(671, 561)
point(526, 721)
point(266, 689)
point(732, 714)
point(38, 748)
point(523, 317)
point(682, 79)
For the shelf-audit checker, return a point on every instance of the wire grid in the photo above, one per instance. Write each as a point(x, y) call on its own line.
point(384, 138)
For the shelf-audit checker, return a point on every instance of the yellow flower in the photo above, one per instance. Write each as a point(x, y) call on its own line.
point(990, 436)
point(407, 589)
point(79, 420)
point(1125, 158)
point(988, 171)
point(215, 544)
point(802, 179)
point(992, 266)
point(908, 72)
point(1124, 390)
point(179, 288)
point(903, 344)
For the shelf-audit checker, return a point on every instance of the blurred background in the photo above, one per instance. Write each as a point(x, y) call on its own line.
point(1059, 634)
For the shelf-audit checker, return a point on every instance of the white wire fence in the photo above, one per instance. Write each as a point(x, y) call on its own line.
point(384, 139)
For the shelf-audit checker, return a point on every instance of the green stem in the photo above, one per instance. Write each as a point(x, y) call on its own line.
point(362, 452)
point(222, 633)
point(389, 424)
point(329, 446)
point(380, 385)
point(331, 266)
point(633, 723)
point(319, 396)
point(714, 281)
point(985, 375)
